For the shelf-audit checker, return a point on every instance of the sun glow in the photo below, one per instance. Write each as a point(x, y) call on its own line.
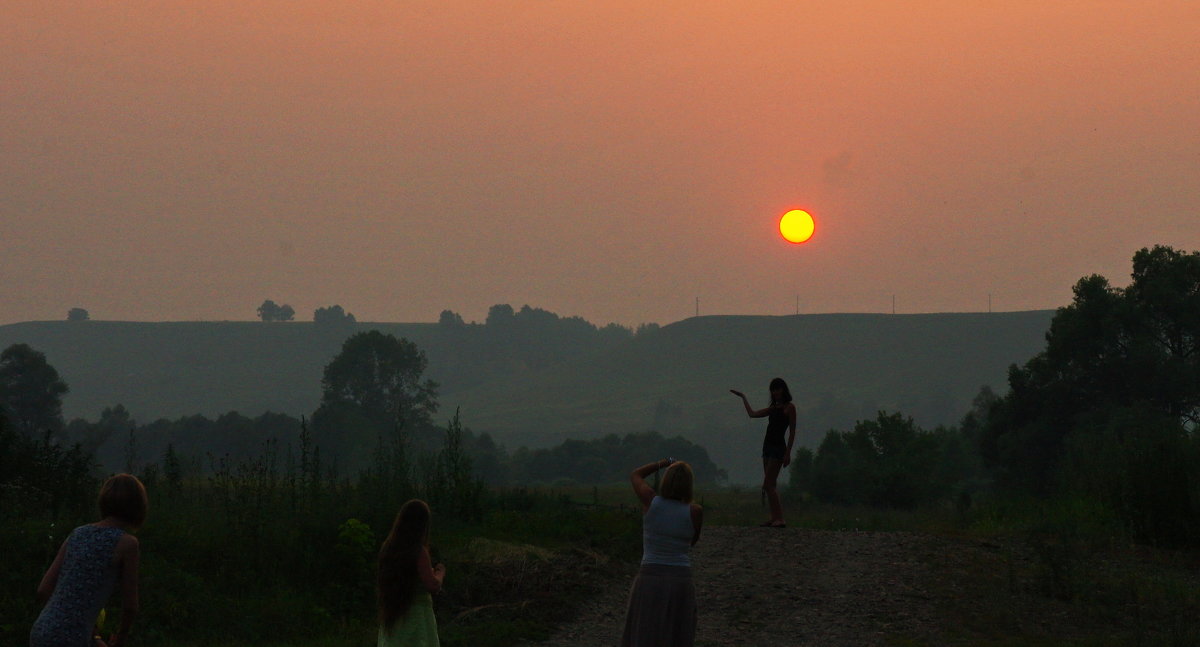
point(796, 226)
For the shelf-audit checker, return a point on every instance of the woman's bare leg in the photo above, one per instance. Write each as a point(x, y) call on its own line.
point(771, 469)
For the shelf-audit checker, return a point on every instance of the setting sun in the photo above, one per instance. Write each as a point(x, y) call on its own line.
point(796, 226)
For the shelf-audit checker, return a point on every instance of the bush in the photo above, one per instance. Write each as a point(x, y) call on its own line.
point(1141, 466)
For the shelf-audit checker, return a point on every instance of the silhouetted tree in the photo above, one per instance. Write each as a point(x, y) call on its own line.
point(270, 311)
point(646, 328)
point(333, 318)
point(1111, 349)
point(450, 319)
point(886, 462)
point(381, 377)
point(77, 314)
point(30, 391)
point(499, 316)
point(461, 490)
point(172, 471)
point(614, 333)
point(92, 435)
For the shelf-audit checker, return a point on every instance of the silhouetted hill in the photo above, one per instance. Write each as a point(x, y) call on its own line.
point(529, 389)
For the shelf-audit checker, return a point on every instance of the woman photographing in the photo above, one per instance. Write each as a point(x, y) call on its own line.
point(662, 603)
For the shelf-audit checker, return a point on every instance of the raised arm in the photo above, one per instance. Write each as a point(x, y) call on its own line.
point(431, 576)
point(759, 413)
point(791, 414)
point(129, 556)
point(50, 579)
point(637, 478)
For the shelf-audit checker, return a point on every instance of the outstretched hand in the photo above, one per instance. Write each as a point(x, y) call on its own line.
point(738, 393)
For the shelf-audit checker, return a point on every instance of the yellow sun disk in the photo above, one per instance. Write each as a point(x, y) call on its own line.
point(796, 226)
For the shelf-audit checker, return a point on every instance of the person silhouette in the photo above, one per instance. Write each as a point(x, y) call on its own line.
point(662, 602)
point(776, 452)
point(89, 565)
point(406, 579)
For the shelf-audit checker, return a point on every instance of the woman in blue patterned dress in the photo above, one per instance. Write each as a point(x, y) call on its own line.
point(89, 565)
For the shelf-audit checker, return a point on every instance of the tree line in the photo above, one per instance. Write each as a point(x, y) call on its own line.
point(374, 392)
point(1106, 415)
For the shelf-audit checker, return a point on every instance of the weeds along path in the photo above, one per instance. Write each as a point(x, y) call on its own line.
point(764, 586)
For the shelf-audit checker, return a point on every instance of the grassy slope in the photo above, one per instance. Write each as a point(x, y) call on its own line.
point(841, 368)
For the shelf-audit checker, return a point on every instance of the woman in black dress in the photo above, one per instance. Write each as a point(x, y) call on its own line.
point(776, 452)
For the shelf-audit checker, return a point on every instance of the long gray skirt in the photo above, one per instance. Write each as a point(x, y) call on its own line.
point(662, 608)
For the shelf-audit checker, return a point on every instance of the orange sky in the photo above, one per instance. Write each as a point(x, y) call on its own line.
point(186, 160)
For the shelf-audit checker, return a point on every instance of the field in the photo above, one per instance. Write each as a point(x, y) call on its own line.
point(553, 565)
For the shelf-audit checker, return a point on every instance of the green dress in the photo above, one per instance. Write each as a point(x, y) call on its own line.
point(416, 628)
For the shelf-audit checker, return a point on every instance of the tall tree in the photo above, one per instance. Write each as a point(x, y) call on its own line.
point(78, 314)
point(30, 390)
point(1111, 348)
point(381, 377)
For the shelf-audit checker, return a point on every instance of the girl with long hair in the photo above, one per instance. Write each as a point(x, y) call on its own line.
point(93, 560)
point(407, 578)
point(776, 453)
point(662, 602)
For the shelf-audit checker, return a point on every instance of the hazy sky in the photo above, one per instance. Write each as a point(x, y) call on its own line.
point(186, 159)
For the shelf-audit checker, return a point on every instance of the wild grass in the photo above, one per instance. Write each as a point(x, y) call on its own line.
point(304, 576)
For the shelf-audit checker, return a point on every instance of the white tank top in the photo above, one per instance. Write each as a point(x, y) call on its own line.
point(667, 533)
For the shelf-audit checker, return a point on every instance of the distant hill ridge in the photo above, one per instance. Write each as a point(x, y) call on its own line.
point(527, 389)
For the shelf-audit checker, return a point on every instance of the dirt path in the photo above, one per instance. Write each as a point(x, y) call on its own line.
point(761, 586)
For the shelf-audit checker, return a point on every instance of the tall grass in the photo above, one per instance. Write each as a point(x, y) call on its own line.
point(279, 548)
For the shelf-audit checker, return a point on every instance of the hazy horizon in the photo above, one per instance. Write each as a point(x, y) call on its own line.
point(184, 161)
point(307, 317)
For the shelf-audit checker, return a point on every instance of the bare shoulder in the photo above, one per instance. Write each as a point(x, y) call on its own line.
point(128, 543)
point(697, 508)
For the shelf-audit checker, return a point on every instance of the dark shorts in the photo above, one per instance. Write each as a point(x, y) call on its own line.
point(773, 452)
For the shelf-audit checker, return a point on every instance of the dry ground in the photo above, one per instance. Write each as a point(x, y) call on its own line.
point(761, 586)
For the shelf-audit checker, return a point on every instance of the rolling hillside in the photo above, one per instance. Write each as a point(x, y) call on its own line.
point(676, 379)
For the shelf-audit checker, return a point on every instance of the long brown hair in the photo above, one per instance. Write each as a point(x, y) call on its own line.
point(397, 580)
point(778, 384)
